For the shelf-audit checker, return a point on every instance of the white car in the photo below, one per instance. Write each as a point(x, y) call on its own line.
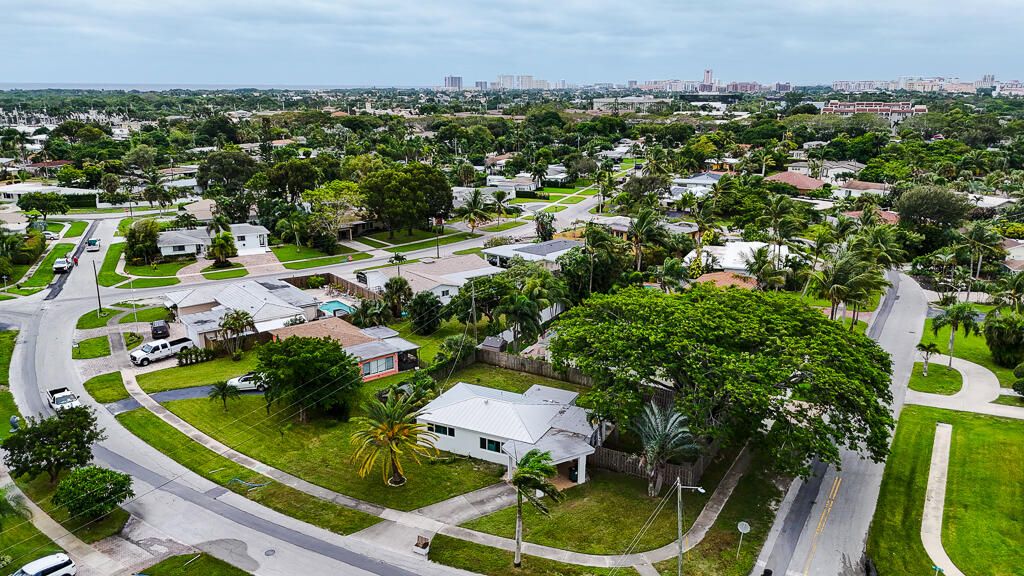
point(246, 382)
point(50, 235)
point(52, 565)
point(93, 245)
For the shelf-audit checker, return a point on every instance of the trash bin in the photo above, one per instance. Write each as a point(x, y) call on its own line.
point(574, 473)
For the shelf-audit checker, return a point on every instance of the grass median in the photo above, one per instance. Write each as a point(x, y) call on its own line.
point(106, 388)
point(107, 275)
point(494, 562)
point(97, 347)
point(94, 319)
point(941, 379)
point(192, 565)
point(44, 274)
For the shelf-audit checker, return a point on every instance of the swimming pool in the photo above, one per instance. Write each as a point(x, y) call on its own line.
point(333, 307)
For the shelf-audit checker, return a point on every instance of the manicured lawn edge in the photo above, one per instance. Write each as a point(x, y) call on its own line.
point(92, 320)
point(107, 275)
point(44, 274)
point(106, 388)
point(941, 379)
point(494, 562)
point(97, 347)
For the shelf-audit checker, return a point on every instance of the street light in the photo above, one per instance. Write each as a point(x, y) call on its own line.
point(679, 518)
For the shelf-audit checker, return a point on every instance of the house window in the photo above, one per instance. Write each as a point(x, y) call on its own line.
point(490, 445)
point(444, 292)
point(241, 238)
point(263, 240)
point(441, 430)
point(179, 248)
point(379, 365)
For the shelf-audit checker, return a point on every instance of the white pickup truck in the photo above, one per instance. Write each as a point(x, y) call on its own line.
point(62, 399)
point(158, 350)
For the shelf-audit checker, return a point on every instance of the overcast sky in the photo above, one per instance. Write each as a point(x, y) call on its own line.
point(417, 42)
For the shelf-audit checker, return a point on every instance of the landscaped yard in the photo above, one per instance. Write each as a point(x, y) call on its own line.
point(40, 490)
point(403, 236)
point(371, 242)
point(329, 261)
point(145, 315)
point(106, 388)
point(823, 303)
point(219, 469)
point(494, 562)
point(983, 495)
point(431, 243)
point(503, 226)
point(161, 269)
point(148, 283)
point(201, 374)
point(1008, 400)
point(971, 348)
point(941, 379)
point(76, 229)
point(529, 200)
point(236, 270)
point(478, 250)
point(44, 273)
point(96, 320)
point(320, 452)
point(291, 252)
point(91, 348)
point(107, 275)
point(131, 339)
point(554, 209)
point(430, 343)
point(189, 565)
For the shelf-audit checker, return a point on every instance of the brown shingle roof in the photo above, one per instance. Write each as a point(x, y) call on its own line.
point(862, 185)
point(797, 180)
point(333, 328)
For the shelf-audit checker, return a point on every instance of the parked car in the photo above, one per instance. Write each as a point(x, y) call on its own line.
point(92, 245)
point(62, 399)
point(53, 565)
point(160, 330)
point(247, 382)
point(158, 350)
point(62, 265)
point(50, 235)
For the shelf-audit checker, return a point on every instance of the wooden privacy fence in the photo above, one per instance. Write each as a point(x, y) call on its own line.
point(347, 286)
point(531, 366)
point(627, 463)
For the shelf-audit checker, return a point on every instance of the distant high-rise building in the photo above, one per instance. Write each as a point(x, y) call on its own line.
point(453, 82)
point(631, 83)
point(480, 84)
point(524, 82)
point(709, 76)
point(506, 81)
point(783, 87)
point(560, 85)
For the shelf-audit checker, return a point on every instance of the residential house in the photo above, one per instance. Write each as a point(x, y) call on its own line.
point(886, 216)
point(442, 277)
point(799, 181)
point(831, 171)
point(13, 192)
point(501, 427)
point(619, 226)
point(702, 180)
point(520, 183)
point(546, 253)
point(557, 174)
point(732, 257)
point(379, 350)
point(250, 239)
point(272, 304)
point(496, 163)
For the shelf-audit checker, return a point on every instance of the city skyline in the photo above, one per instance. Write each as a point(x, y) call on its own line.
point(389, 43)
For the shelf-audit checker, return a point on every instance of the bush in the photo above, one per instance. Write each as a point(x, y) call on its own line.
point(497, 241)
point(93, 491)
point(30, 250)
point(425, 311)
point(190, 356)
point(1004, 334)
point(316, 282)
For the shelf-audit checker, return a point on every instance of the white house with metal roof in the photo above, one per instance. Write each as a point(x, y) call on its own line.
point(443, 277)
point(501, 427)
point(250, 239)
point(546, 253)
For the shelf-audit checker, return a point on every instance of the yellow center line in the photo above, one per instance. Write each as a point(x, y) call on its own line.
point(822, 521)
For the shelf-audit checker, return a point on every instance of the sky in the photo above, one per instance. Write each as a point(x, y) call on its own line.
point(418, 42)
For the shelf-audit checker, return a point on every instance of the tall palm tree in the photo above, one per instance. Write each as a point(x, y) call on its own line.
point(389, 432)
point(371, 313)
point(397, 293)
point(531, 477)
point(761, 265)
point(538, 171)
point(881, 244)
point(981, 239)
point(221, 390)
point(927, 350)
point(644, 229)
point(12, 504)
point(781, 221)
point(293, 227)
point(822, 236)
point(219, 223)
point(222, 247)
point(475, 211)
point(664, 435)
point(1009, 292)
point(499, 199)
point(600, 246)
point(956, 316)
point(844, 276)
point(522, 314)
point(234, 325)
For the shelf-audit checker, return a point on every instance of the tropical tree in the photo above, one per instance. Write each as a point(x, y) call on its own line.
point(426, 312)
point(664, 435)
point(219, 223)
point(530, 478)
point(293, 227)
point(397, 293)
point(222, 247)
point(371, 313)
point(600, 247)
point(761, 265)
point(544, 224)
point(221, 390)
point(12, 504)
point(981, 239)
point(956, 316)
point(844, 277)
point(927, 350)
point(645, 229)
point(538, 171)
point(1004, 334)
point(781, 221)
point(475, 210)
point(234, 326)
point(522, 314)
point(1008, 292)
point(389, 432)
point(499, 200)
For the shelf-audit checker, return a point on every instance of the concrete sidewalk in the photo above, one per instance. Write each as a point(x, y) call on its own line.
point(935, 501)
point(980, 388)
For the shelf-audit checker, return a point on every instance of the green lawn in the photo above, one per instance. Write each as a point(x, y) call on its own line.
point(508, 380)
point(148, 283)
point(94, 320)
point(431, 243)
point(478, 250)
point(77, 229)
point(983, 495)
point(529, 200)
point(557, 190)
point(430, 344)
point(403, 236)
point(161, 269)
point(234, 272)
point(971, 348)
point(131, 339)
point(7, 341)
point(503, 226)
point(371, 242)
point(941, 379)
point(221, 470)
point(44, 273)
point(195, 375)
point(291, 252)
point(91, 348)
point(406, 263)
point(571, 200)
point(320, 452)
point(145, 315)
point(188, 565)
point(88, 530)
point(494, 562)
point(589, 192)
point(329, 261)
point(1008, 400)
point(107, 275)
point(106, 388)
point(553, 209)
point(54, 227)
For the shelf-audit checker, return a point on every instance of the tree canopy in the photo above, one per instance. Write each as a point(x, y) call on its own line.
point(306, 373)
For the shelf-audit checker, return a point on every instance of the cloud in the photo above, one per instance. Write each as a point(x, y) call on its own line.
point(387, 42)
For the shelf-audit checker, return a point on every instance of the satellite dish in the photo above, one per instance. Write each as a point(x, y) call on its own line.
point(743, 527)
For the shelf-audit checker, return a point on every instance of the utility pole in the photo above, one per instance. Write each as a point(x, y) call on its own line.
point(679, 524)
point(472, 304)
point(96, 277)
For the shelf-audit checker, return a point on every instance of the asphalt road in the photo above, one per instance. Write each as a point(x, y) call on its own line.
point(825, 530)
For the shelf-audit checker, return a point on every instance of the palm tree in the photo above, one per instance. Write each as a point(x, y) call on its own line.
point(781, 221)
point(531, 477)
point(522, 313)
point(538, 171)
point(599, 245)
point(927, 350)
point(956, 316)
point(12, 504)
point(222, 247)
point(371, 313)
point(388, 432)
point(397, 293)
point(643, 230)
point(1009, 292)
point(398, 259)
point(762, 267)
point(223, 391)
point(499, 200)
point(663, 435)
point(844, 276)
point(475, 210)
point(292, 227)
point(219, 223)
point(234, 325)
point(881, 244)
point(981, 239)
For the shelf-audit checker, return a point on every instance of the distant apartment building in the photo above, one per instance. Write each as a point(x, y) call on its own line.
point(524, 82)
point(506, 81)
point(1011, 88)
point(892, 111)
point(744, 87)
point(628, 103)
point(453, 82)
point(480, 85)
point(783, 87)
point(560, 85)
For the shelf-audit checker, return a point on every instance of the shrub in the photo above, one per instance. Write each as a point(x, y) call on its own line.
point(425, 311)
point(93, 491)
point(316, 282)
point(1004, 334)
point(497, 241)
point(30, 250)
point(190, 356)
